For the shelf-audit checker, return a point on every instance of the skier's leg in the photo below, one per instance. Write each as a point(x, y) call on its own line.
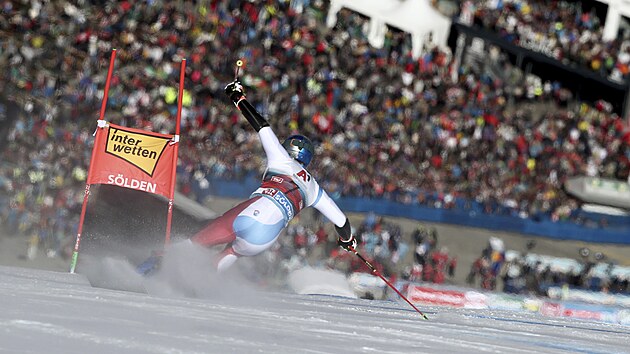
point(256, 228)
point(220, 230)
point(226, 258)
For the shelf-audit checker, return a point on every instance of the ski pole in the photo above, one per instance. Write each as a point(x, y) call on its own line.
point(239, 63)
point(387, 282)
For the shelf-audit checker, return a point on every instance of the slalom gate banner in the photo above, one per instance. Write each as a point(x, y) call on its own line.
point(133, 158)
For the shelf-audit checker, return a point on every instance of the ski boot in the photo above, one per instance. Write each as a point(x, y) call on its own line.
point(151, 264)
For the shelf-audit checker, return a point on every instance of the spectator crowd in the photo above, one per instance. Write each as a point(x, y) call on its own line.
point(529, 273)
point(381, 242)
point(567, 31)
point(417, 131)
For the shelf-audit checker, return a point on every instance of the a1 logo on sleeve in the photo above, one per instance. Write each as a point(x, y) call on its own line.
point(304, 175)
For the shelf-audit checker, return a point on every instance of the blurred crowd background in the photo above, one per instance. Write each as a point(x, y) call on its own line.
point(422, 130)
point(568, 31)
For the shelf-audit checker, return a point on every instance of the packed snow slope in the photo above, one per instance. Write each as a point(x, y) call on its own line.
point(56, 312)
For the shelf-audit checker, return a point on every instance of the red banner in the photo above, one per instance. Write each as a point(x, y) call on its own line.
point(426, 295)
point(133, 158)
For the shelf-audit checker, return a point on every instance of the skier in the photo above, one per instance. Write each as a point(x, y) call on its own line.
point(287, 187)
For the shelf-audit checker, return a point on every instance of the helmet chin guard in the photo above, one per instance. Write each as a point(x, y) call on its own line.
point(300, 148)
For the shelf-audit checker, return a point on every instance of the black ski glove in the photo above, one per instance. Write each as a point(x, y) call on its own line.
point(348, 245)
point(235, 90)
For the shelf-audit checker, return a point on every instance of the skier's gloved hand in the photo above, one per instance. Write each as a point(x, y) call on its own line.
point(348, 245)
point(234, 90)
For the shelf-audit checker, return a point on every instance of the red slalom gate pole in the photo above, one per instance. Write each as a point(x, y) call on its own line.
point(86, 195)
point(387, 282)
point(180, 98)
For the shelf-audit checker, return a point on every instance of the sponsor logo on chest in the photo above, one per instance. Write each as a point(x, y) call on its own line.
point(269, 191)
point(277, 179)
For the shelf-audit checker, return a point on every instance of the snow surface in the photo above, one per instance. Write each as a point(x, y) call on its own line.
point(57, 312)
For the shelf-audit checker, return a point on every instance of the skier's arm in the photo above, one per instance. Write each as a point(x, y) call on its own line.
point(331, 211)
point(272, 146)
point(235, 91)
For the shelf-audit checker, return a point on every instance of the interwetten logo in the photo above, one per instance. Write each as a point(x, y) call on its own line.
point(140, 150)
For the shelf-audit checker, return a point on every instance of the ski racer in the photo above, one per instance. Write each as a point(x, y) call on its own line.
point(287, 187)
